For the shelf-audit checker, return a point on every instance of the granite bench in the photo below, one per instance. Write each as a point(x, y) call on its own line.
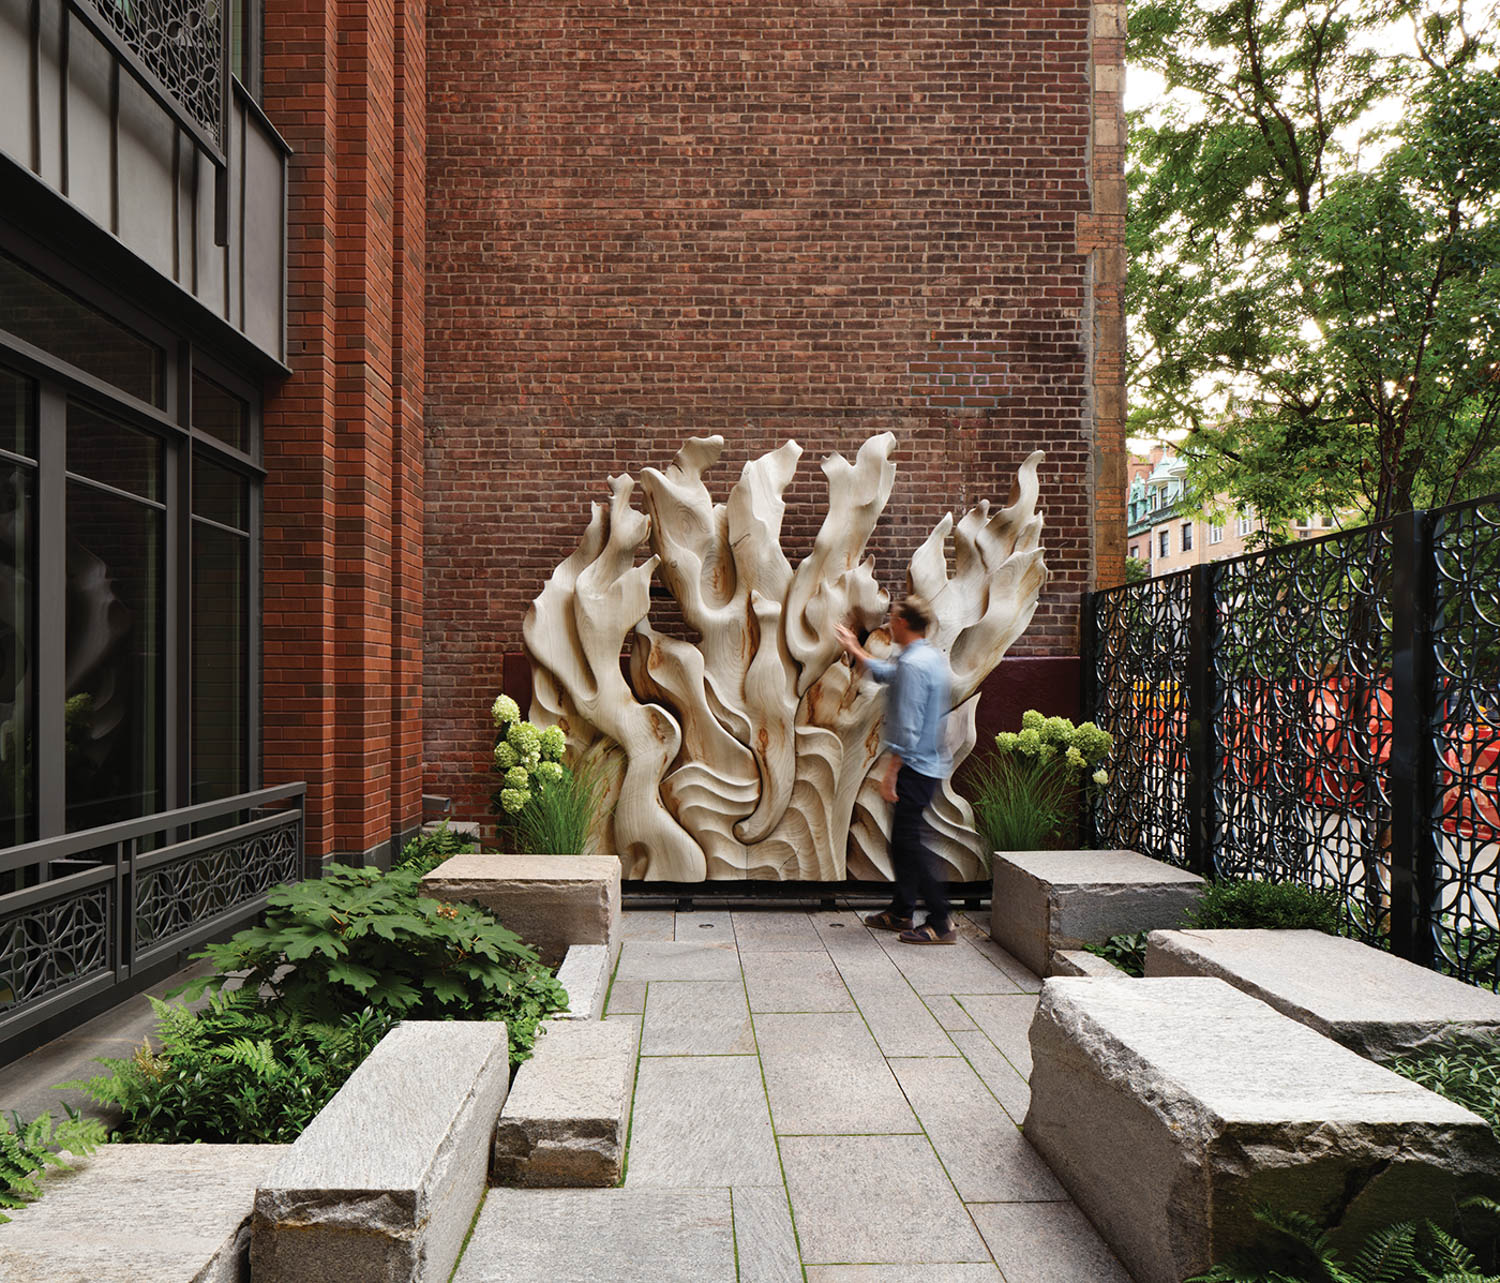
point(585, 975)
point(141, 1214)
point(1043, 902)
point(1171, 1108)
point(565, 1121)
point(383, 1184)
point(550, 901)
point(1370, 1001)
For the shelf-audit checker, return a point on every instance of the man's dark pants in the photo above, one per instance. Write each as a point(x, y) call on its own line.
point(915, 866)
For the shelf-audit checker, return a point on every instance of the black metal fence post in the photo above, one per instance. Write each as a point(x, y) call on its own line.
point(1413, 778)
point(1088, 694)
point(1200, 712)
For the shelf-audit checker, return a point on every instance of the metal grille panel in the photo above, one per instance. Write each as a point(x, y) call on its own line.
point(55, 944)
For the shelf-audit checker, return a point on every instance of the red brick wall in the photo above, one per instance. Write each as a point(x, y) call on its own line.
point(651, 219)
point(343, 520)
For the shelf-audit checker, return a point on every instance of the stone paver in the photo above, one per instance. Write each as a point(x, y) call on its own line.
point(813, 1101)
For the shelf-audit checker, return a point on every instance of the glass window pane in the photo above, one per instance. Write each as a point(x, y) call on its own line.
point(114, 718)
point(221, 694)
point(47, 317)
point(221, 414)
point(17, 414)
point(17, 654)
point(220, 495)
point(118, 456)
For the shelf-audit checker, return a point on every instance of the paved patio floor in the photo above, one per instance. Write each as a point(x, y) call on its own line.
point(813, 1100)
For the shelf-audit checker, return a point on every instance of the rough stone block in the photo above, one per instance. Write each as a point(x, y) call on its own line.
point(550, 901)
point(1079, 962)
point(565, 1121)
point(1373, 1002)
point(384, 1183)
point(585, 975)
point(141, 1214)
point(1214, 1104)
point(1046, 901)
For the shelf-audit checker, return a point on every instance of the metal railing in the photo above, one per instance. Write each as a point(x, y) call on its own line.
point(108, 902)
point(1327, 713)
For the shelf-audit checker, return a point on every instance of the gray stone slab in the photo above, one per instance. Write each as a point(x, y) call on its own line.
point(627, 996)
point(997, 1073)
point(697, 1018)
point(1179, 1080)
point(550, 901)
point(763, 1235)
point(896, 1014)
point(1045, 901)
point(676, 960)
point(565, 1122)
point(904, 1273)
point(824, 1074)
point(140, 1214)
point(386, 1178)
point(648, 924)
point(845, 935)
point(775, 932)
point(583, 1236)
point(1370, 1001)
point(934, 970)
point(987, 1158)
point(875, 1199)
point(1026, 980)
point(701, 1121)
point(1006, 1022)
point(794, 982)
point(949, 1014)
point(1046, 1243)
point(1079, 962)
point(704, 926)
point(585, 975)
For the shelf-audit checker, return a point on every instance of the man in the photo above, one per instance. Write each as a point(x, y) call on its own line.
point(920, 685)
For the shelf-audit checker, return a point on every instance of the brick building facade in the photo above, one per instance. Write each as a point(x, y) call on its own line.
point(649, 221)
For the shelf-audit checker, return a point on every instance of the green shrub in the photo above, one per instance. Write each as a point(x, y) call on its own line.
point(1029, 788)
point(358, 938)
point(1467, 1073)
point(1294, 1248)
point(235, 1073)
point(559, 818)
point(1280, 905)
point(428, 850)
point(1127, 952)
point(27, 1150)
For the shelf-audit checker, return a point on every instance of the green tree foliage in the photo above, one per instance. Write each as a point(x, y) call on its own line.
point(1315, 287)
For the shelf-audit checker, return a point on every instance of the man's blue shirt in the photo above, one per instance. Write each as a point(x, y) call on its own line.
point(920, 689)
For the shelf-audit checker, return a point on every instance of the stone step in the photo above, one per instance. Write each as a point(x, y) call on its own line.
point(1045, 902)
point(141, 1214)
point(1171, 1108)
point(384, 1182)
point(550, 901)
point(585, 975)
point(566, 1119)
point(1370, 1001)
point(1079, 962)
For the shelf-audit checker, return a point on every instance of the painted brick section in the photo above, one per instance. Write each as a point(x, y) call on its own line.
point(651, 219)
point(343, 528)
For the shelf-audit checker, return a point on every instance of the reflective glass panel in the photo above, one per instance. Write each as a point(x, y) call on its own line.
point(221, 414)
point(17, 616)
point(50, 318)
point(221, 695)
point(118, 456)
point(114, 717)
point(17, 414)
point(220, 495)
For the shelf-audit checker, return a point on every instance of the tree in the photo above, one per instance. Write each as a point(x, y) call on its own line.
point(1315, 294)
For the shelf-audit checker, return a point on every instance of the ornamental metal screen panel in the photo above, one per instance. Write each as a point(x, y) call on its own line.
point(181, 43)
point(1140, 670)
point(1465, 640)
point(1301, 665)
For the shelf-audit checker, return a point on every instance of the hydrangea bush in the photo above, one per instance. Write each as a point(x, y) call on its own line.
point(526, 756)
point(544, 808)
point(1027, 793)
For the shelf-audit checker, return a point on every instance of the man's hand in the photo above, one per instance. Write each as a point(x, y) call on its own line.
point(888, 784)
point(847, 639)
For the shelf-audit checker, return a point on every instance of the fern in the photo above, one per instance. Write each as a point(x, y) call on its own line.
point(27, 1150)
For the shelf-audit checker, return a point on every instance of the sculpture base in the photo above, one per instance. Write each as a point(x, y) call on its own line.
point(962, 894)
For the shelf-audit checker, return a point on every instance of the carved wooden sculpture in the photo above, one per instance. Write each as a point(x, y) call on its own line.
point(753, 752)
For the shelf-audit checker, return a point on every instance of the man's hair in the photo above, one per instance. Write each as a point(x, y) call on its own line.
point(916, 611)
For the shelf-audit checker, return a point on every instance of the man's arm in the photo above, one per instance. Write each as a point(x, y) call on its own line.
point(882, 670)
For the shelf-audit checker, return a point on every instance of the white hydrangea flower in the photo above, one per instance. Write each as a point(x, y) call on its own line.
point(1101, 777)
point(505, 710)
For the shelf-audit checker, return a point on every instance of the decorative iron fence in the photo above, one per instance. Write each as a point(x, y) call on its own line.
point(107, 902)
point(1327, 713)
